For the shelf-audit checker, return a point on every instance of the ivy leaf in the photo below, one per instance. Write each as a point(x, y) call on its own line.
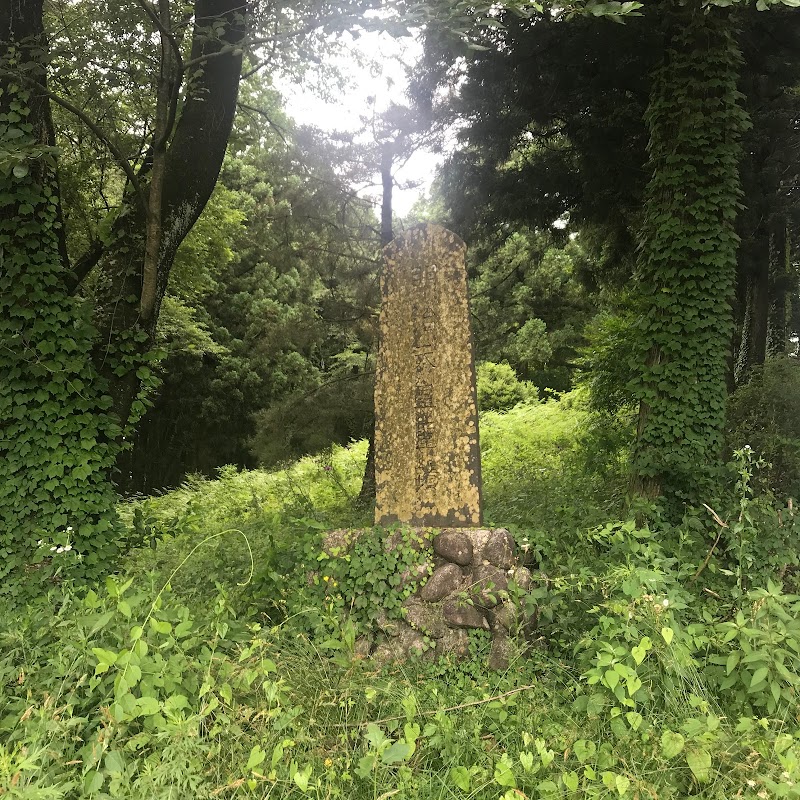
point(257, 755)
point(526, 759)
point(570, 780)
point(504, 775)
point(671, 744)
point(460, 777)
point(397, 752)
point(584, 750)
point(302, 777)
point(699, 762)
point(611, 678)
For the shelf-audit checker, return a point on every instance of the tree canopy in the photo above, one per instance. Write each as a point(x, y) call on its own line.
point(189, 278)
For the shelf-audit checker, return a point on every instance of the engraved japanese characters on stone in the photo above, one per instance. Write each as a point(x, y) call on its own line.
point(427, 461)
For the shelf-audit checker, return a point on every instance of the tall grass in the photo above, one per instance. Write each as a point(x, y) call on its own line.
point(194, 673)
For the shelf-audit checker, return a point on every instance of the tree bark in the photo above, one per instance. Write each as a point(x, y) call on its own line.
point(368, 485)
point(781, 284)
point(161, 134)
point(129, 299)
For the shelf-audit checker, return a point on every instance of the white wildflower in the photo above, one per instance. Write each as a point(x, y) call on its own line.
point(40, 543)
point(70, 529)
point(665, 602)
point(67, 548)
point(53, 549)
point(59, 550)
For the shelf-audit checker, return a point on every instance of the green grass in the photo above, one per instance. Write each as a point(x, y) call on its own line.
point(211, 666)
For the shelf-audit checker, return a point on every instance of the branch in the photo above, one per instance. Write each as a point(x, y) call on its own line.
point(122, 162)
point(155, 19)
point(331, 382)
point(271, 40)
point(175, 80)
point(722, 526)
point(165, 104)
point(84, 266)
point(432, 712)
point(278, 129)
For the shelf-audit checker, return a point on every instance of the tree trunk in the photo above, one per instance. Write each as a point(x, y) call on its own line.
point(781, 285)
point(127, 304)
point(752, 348)
point(687, 257)
point(765, 300)
point(387, 183)
point(368, 486)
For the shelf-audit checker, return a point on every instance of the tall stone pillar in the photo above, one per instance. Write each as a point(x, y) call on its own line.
point(427, 459)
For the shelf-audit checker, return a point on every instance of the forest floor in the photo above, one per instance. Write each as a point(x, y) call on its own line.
point(211, 666)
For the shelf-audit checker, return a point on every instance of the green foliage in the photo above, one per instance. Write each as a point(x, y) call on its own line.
point(759, 528)
point(373, 575)
point(687, 259)
point(656, 671)
point(529, 306)
point(57, 437)
point(765, 413)
point(144, 690)
point(281, 514)
point(499, 388)
point(336, 411)
point(269, 315)
point(553, 466)
point(607, 362)
point(758, 652)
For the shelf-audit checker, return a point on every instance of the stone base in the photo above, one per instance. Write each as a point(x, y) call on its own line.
point(470, 572)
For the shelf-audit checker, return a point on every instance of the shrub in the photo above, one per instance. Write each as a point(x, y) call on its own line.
point(765, 414)
point(499, 388)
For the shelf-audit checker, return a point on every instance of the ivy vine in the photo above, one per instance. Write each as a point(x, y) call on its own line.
point(375, 575)
point(58, 437)
point(687, 260)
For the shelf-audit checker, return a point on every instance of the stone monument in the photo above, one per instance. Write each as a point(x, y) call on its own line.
point(427, 459)
point(427, 462)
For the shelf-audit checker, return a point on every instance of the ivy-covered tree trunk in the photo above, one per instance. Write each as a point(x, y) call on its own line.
point(687, 261)
point(68, 389)
point(57, 438)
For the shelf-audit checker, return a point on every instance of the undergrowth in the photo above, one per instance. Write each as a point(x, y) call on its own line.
point(222, 663)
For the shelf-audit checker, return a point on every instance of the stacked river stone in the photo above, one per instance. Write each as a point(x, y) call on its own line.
point(468, 589)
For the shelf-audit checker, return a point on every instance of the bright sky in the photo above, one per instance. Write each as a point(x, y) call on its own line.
point(386, 83)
